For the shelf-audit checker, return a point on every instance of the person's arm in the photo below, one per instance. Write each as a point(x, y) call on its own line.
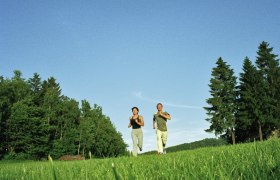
point(154, 121)
point(166, 115)
point(141, 122)
point(129, 125)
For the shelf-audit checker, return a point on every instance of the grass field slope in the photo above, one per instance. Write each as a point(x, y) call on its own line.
point(257, 160)
point(208, 142)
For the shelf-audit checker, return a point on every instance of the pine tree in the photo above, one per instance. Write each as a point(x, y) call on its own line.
point(268, 65)
point(36, 88)
point(223, 101)
point(250, 102)
point(51, 93)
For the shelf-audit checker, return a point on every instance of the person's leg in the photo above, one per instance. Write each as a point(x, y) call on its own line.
point(159, 141)
point(134, 140)
point(140, 139)
point(164, 140)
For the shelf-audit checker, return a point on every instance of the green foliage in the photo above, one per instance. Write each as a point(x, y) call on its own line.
point(108, 143)
point(6, 101)
point(98, 135)
point(26, 132)
point(65, 128)
point(258, 160)
point(223, 101)
point(250, 110)
point(250, 102)
point(268, 65)
point(37, 120)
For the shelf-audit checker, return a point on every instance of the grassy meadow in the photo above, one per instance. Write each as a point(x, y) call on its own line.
point(258, 160)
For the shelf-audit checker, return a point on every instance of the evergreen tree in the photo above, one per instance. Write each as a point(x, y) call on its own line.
point(51, 93)
point(250, 117)
point(222, 108)
point(268, 65)
point(35, 84)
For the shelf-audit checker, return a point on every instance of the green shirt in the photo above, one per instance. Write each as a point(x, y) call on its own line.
point(161, 121)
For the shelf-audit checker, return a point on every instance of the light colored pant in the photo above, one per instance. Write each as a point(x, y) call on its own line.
point(137, 138)
point(161, 139)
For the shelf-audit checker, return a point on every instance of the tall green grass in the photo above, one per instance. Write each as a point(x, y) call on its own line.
point(258, 160)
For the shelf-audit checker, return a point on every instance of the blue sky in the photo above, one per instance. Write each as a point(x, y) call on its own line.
point(120, 54)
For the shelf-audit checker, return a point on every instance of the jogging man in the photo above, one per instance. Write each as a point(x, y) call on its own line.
point(159, 123)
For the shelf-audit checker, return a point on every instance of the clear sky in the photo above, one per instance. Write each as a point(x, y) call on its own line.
point(123, 53)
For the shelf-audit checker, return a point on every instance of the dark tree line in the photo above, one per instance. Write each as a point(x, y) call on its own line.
point(249, 109)
point(37, 120)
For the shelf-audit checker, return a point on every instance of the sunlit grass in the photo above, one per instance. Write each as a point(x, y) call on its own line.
point(259, 160)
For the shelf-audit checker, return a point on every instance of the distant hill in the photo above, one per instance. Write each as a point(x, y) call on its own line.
point(208, 142)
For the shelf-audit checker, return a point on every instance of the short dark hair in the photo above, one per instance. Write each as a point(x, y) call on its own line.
point(159, 104)
point(135, 108)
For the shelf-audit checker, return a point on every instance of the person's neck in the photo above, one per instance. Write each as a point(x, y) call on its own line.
point(135, 115)
point(159, 111)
